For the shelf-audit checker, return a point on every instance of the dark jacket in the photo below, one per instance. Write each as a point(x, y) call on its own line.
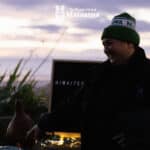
point(113, 111)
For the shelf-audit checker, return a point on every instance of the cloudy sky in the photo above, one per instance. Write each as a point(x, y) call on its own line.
point(66, 29)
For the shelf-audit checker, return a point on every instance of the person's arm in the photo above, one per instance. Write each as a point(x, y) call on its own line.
point(66, 118)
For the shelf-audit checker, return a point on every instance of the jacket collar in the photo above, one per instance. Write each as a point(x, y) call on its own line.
point(138, 57)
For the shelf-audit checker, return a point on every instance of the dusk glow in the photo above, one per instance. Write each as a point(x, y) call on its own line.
point(67, 30)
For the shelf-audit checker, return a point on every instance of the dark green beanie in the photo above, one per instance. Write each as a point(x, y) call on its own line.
point(122, 28)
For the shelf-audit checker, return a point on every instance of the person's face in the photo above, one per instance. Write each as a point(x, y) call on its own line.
point(116, 50)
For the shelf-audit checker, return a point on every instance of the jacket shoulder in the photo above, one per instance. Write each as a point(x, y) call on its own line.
point(147, 61)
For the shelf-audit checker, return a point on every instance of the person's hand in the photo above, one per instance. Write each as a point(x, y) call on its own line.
point(120, 139)
point(32, 136)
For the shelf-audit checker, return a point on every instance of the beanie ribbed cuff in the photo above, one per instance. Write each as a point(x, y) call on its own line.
point(123, 27)
point(121, 33)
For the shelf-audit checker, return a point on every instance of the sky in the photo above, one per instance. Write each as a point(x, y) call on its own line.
point(62, 29)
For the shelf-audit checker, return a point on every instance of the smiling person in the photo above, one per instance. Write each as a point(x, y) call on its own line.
point(113, 111)
point(120, 39)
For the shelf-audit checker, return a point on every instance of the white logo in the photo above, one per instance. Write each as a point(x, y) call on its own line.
point(123, 22)
point(61, 11)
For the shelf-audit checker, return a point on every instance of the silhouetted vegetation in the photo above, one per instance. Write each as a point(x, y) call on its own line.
point(18, 86)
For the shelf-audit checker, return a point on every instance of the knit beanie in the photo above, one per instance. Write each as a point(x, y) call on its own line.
point(122, 28)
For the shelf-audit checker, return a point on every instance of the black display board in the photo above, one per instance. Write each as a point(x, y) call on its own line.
point(67, 77)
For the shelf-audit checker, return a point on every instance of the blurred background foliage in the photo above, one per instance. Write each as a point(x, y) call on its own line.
point(19, 85)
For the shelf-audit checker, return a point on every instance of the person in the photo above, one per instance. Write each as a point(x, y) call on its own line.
point(113, 110)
